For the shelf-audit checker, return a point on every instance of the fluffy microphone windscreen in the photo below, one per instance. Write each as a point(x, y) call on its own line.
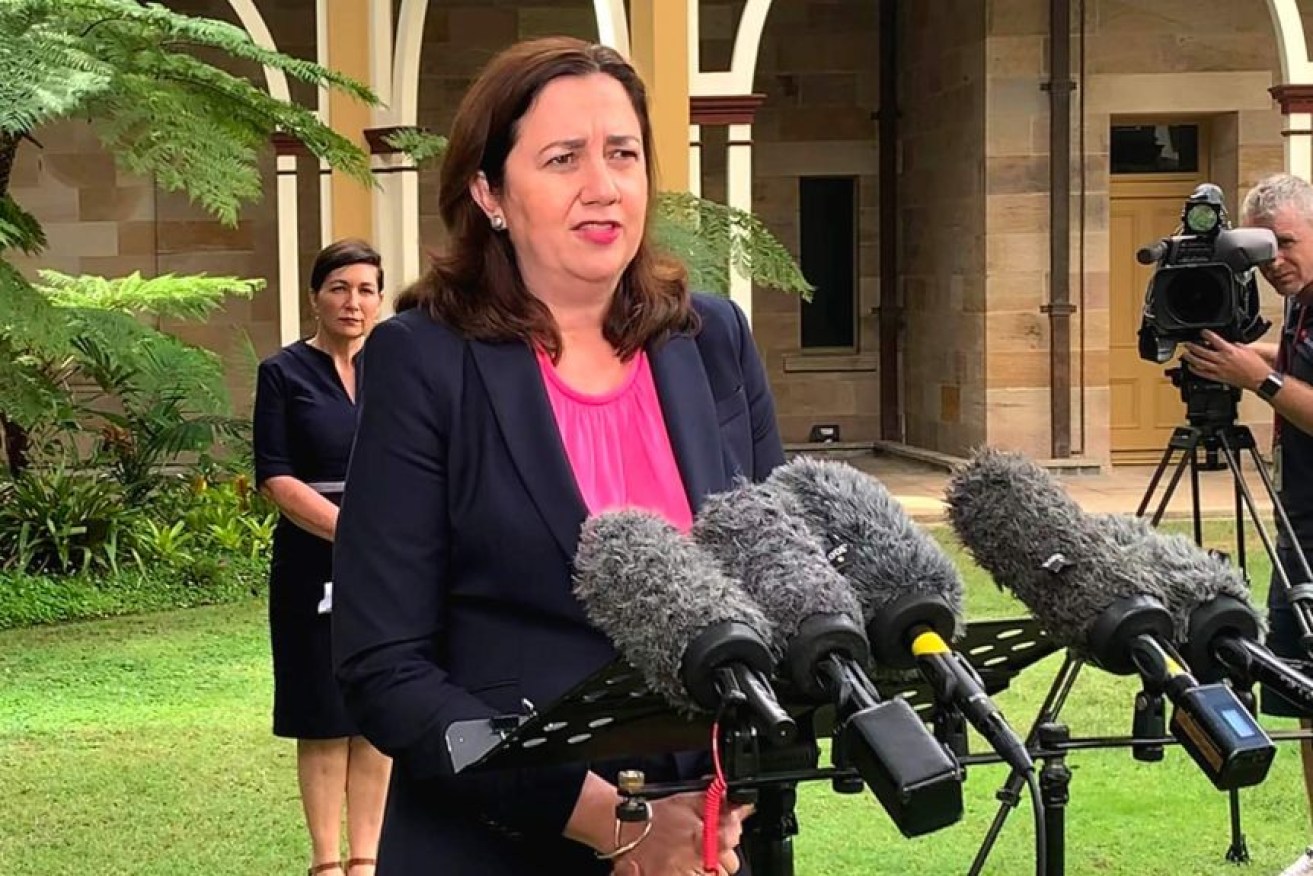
point(1035, 541)
point(1182, 574)
point(884, 554)
point(652, 590)
point(780, 562)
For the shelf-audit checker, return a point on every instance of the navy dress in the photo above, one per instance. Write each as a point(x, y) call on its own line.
point(304, 424)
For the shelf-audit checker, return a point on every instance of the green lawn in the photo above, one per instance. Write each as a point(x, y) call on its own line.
point(142, 746)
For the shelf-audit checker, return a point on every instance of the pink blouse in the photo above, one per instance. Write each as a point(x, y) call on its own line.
point(618, 446)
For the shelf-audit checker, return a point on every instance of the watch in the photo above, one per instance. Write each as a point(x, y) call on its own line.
point(1270, 386)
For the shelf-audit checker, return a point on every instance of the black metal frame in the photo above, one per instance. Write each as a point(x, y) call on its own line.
point(612, 714)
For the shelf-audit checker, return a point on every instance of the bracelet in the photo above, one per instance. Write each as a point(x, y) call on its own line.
point(633, 843)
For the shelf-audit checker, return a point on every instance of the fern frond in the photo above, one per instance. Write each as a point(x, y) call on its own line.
point(28, 323)
point(45, 72)
point(19, 229)
point(253, 108)
point(162, 110)
point(169, 296)
point(419, 145)
point(710, 238)
point(198, 129)
point(172, 30)
point(160, 134)
point(26, 396)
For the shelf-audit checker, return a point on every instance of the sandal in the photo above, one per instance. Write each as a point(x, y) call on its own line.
point(360, 862)
point(325, 867)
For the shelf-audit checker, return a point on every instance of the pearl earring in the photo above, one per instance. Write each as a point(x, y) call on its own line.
point(498, 222)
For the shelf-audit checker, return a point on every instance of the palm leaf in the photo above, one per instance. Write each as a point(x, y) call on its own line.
point(134, 362)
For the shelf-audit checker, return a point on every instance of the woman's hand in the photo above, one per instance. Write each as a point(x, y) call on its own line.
point(302, 505)
point(674, 847)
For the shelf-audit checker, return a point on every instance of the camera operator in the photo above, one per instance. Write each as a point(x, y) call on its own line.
point(1281, 374)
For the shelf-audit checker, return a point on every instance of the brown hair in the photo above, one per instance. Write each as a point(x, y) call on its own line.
point(476, 287)
point(340, 254)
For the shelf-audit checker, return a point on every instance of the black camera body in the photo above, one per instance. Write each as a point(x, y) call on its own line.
point(1204, 279)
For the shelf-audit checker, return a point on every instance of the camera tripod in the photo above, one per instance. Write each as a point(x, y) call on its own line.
point(1211, 411)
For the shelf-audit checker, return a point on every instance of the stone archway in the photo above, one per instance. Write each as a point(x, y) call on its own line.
point(1295, 93)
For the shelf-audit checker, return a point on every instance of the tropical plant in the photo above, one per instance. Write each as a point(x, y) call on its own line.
point(421, 145)
point(164, 113)
point(229, 516)
point(59, 520)
point(132, 70)
point(713, 239)
point(146, 396)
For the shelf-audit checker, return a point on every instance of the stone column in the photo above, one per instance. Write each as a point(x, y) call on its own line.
point(1297, 106)
point(738, 113)
point(344, 28)
point(288, 149)
point(659, 49)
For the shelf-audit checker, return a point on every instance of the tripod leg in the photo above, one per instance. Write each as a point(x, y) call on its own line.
point(1239, 851)
point(1187, 453)
point(1195, 516)
point(1010, 793)
point(1239, 516)
point(1303, 613)
point(1153, 481)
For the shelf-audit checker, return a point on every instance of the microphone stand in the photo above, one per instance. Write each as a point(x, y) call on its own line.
point(1211, 411)
point(1049, 741)
point(613, 715)
point(767, 841)
point(1045, 741)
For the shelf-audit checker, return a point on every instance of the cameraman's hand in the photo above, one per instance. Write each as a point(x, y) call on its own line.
point(1225, 362)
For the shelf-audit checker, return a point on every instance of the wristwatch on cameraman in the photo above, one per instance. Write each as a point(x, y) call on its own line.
point(1271, 385)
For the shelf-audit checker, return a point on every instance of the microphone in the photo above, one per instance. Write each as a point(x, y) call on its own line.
point(817, 622)
point(1152, 253)
point(697, 638)
point(1091, 595)
point(910, 591)
point(1218, 627)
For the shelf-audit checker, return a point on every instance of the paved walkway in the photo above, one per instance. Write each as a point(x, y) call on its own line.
point(920, 487)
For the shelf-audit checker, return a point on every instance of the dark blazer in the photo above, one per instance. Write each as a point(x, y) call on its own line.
point(452, 569)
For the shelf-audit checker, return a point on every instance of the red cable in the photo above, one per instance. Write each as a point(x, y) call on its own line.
point(711, 807)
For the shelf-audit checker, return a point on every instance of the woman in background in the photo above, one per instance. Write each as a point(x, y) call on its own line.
point(305, 423)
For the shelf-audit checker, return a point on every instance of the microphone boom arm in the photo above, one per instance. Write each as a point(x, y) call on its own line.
point(1251, 662)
